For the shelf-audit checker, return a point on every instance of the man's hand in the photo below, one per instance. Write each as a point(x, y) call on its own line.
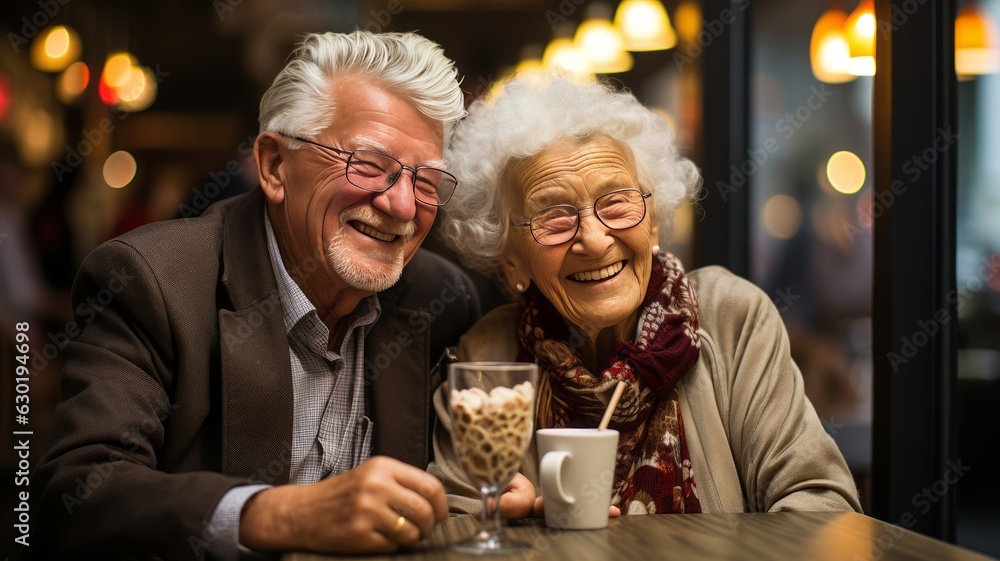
point(519, 500)
point(355, 512)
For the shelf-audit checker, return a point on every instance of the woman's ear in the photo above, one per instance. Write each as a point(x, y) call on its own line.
point(654, 232)
point(267, 154)
point(514, 275)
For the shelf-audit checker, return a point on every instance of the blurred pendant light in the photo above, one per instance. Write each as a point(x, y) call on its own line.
point(977, 43)
point(829, 52)
point(531, 59)
point(860, 32)
point(687, 18)
point(529, 65)
point(645, 25)
point(602, 43)
point(563, 54)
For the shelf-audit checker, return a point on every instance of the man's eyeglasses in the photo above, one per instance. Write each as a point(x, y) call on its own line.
point(618, 210)
point(377, 172)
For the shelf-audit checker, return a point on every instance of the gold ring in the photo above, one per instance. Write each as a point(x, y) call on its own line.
point(400, 522)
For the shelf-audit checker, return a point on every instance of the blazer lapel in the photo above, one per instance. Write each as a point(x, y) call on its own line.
point(256, 393)
point(257, 401)
point(396, 358)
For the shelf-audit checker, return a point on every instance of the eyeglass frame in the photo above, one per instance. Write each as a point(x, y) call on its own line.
point(579, 215)
point(413, 171)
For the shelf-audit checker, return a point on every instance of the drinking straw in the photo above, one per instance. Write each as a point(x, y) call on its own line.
point(611, 405)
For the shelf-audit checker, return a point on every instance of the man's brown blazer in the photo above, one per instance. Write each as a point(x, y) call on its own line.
point(178, 386)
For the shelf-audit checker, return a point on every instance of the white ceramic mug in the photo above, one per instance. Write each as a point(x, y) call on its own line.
point(576, 470)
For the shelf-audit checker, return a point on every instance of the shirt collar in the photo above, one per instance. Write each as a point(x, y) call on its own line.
point(296, 306)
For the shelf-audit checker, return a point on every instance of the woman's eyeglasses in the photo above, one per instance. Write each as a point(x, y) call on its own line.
point(618, 210)
point(377, 172)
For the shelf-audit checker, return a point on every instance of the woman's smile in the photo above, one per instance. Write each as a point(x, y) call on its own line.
point(600, 274)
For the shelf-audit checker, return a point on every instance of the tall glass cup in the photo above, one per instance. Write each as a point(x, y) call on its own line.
point(492, 412)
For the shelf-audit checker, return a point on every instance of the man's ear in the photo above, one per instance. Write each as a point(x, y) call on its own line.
point(267, 153)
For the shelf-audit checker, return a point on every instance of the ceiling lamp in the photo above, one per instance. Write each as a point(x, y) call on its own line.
point(860, 32)
point(976, 43)
point(603, 46)
point(687, 17)
point(529, 65)
point(562, 54)
point(828, 49)
point(645, 25)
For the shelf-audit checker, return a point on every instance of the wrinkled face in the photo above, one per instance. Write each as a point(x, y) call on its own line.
point(364, 237)
point(597, 279)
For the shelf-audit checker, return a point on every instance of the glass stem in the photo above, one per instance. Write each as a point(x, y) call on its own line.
point(491, 512)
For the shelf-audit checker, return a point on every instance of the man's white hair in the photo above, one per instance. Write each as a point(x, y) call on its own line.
point(525, 118)
point(299, 103)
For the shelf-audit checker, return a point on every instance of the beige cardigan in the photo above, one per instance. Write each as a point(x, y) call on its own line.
point(754, 439)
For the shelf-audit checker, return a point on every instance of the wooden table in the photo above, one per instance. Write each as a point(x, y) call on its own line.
point(814, 536)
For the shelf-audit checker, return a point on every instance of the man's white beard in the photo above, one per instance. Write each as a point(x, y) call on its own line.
point(368, 271)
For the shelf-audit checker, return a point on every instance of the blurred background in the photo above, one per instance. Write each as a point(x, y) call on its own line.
point(114, 114)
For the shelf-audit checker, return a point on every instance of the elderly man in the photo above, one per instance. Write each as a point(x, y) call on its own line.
point(260, 379)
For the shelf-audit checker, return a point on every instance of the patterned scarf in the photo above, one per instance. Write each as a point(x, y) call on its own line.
point(653, 471)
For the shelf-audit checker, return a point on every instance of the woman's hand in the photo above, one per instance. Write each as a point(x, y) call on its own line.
point(519, 500)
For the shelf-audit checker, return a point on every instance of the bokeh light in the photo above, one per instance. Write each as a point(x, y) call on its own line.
point(38, 137)
point(118, 69)
point(687, 18)
point(782, 216)
point(846, 172)
point(107, 94)
point(119, 169)
point(139, 93)
point(55, 48)
point(5, 95)
point(73, 82)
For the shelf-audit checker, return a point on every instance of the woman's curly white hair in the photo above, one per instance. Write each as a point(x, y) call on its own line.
point(527, 116)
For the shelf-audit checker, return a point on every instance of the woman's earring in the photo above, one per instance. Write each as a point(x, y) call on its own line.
point(520, 287)
point(656, 249)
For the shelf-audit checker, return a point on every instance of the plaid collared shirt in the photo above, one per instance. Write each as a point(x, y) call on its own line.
point(331, 433)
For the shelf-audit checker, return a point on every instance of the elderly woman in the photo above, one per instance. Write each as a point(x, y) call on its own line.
point(566, 193)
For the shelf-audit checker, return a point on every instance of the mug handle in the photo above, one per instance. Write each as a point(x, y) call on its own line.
point(551, 472)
